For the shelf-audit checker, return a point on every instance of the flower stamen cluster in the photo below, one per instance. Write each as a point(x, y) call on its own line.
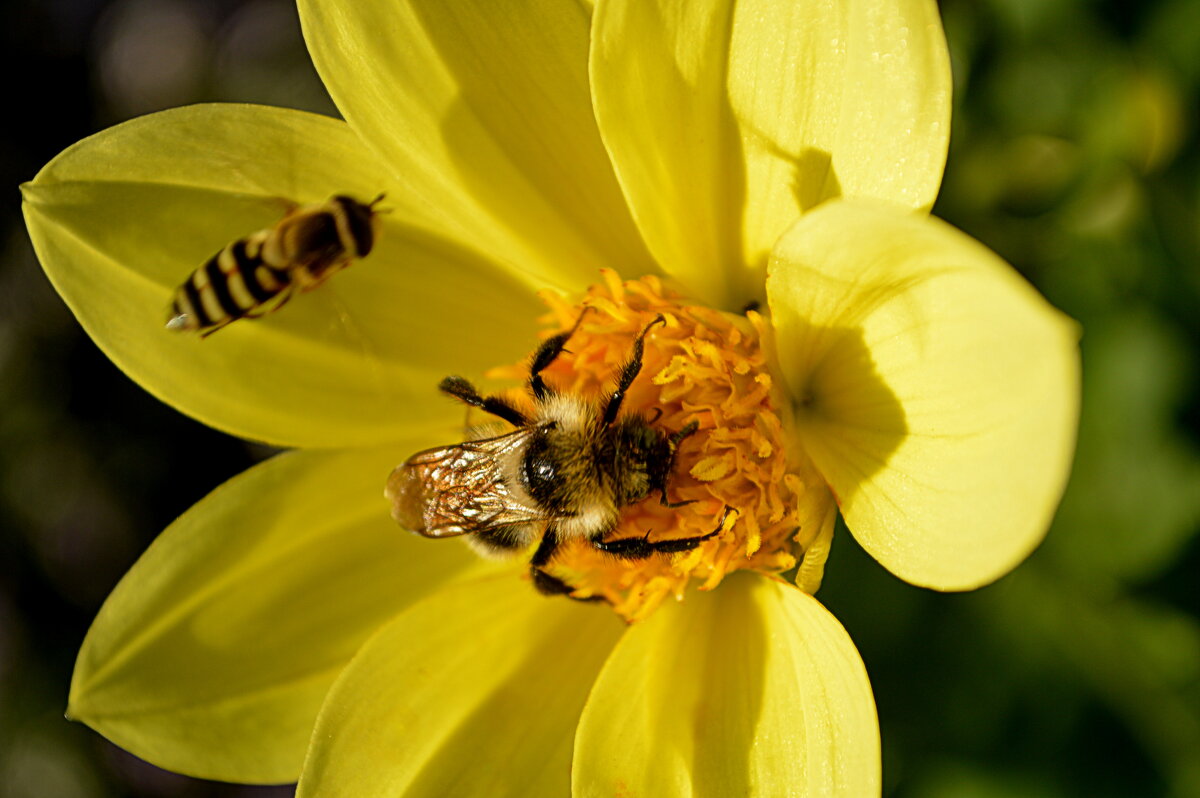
point(702, 366)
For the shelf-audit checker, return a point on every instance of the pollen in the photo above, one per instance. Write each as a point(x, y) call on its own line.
point(736, 473)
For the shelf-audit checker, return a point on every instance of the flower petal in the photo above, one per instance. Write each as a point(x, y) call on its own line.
point(936, 391)
point(475, 691)
point(754, 689)
point(122, 218)
point(213, 654)
point(725, 121)
point(483, 113)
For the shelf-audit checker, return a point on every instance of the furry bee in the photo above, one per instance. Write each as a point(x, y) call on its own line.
point(258, 274)
point(565, 472)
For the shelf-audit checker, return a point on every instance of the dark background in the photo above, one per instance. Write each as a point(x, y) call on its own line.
point(1074, 156)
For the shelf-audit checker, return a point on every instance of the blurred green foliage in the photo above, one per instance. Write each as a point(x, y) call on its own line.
point(1074, 155)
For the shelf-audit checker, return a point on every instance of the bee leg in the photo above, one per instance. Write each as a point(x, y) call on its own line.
point(544, 582)
point(548, 584)
point(464, 391)
point(688, 430)
point(643, 547)
point(547, 353)
point(629, 371)
point(627, 548)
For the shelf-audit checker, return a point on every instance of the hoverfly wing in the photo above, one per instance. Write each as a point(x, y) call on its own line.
point(458, 489)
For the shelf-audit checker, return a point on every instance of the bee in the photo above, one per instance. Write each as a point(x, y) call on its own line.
point(258, 274)
point(565, 472)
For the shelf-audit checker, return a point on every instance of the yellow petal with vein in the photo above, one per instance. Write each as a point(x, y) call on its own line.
point(753, 689)
point(214, 653)
point(726, 121)
point(475, 691)
point(482, 112)
point(936, 391)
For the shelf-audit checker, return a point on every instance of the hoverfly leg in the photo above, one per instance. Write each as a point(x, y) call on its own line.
point(629, 372)
point(547, 353)
point(219, 326)
point(461, 388)
point(285, 296)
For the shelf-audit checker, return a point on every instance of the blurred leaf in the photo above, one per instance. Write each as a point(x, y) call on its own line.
point(1037, 90)
point(45, 760)
point(1026, 18)
point(967, 780)
point(1135, 114)
point(1133, 500)
point(1172, 37)
point(1108, 204)
point(1142, 659)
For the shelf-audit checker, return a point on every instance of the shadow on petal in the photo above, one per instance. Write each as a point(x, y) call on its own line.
point(522, 137)
point(846, 414)
point(814, 177)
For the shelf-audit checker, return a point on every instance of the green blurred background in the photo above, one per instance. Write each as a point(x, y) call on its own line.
point(1074, 155)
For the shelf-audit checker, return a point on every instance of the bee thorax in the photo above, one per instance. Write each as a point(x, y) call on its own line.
point(635, 457)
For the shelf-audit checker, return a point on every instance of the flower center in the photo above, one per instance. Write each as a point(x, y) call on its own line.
point(701, 367)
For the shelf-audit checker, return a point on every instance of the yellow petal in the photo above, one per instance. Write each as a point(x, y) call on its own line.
point(122, 218)
point(483, 114)
point(753, 689)
point(936, 391)
point(849, 99)
point(725, 121)
point(475, 691)
point(213, 654)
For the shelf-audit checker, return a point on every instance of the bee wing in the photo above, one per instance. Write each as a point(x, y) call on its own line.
point(455, 490)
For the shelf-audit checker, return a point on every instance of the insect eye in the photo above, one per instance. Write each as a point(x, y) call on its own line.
point(540, 471)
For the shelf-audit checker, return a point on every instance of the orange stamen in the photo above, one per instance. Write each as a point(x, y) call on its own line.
point(705, 366)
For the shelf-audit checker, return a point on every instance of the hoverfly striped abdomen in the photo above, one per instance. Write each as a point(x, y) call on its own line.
point(258, 274)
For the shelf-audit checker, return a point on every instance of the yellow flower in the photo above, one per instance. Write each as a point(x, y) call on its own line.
point(785, 153)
